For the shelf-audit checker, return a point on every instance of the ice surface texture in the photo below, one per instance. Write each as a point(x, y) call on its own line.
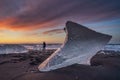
point(80, 45)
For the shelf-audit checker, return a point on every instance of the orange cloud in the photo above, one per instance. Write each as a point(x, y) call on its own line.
point(9, 24)
point(4, 24)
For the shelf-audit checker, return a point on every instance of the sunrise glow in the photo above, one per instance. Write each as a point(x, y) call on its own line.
point(30, 21)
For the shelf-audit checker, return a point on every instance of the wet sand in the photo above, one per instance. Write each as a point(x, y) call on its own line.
point(25, 67)
point(14, 65)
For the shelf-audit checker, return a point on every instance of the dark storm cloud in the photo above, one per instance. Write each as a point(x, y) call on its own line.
point(41, 12)
point(87, 10)
point(10, 8)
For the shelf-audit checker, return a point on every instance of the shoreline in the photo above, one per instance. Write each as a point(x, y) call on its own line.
point(24, 66)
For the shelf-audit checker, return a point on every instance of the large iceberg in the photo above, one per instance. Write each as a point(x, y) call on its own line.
point(80, 45)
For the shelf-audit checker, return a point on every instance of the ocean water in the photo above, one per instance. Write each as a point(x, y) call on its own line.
point(109, 47)
point(112, 47)
point(39, 46)
point(25, 48)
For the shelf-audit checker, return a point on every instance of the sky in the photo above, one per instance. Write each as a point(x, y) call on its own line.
point(35, 21)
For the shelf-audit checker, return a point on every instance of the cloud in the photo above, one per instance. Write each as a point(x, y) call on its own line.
point(10, 8)
point(53, 32)
point(37, 14)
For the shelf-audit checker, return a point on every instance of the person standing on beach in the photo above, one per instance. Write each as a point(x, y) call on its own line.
point(44, 46)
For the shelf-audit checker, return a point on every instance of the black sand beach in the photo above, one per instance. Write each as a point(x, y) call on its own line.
point(25, 67)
